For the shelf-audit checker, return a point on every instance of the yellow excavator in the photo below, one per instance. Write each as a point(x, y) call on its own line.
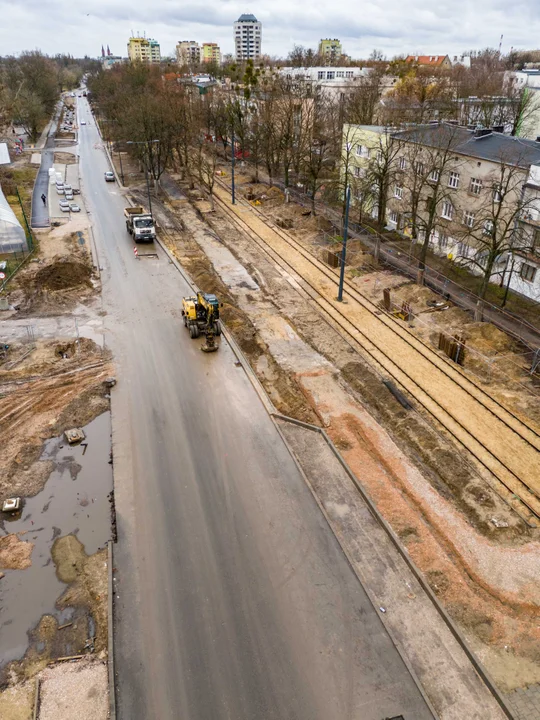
point(201, 314)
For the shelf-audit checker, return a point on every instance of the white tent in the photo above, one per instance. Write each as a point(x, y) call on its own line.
point(12, 235)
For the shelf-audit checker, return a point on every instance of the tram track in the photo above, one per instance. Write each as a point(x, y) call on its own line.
point(496, 438)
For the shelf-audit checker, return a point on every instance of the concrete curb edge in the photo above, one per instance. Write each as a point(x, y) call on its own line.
point(35, 712)
point(110, 632)
point(275, 416)
point(410, 563)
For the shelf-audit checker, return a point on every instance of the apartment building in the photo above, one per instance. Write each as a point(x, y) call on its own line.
point(247, 32)
point(330, 50)
point(335, 82)
point(188, 52)
point(211, 52)
point(141, 49)
point(475, 192)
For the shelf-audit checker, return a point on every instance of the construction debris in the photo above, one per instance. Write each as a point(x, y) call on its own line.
point(74, 436)
point(11, 505)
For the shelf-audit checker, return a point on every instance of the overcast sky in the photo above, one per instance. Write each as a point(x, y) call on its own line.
point(394, 26)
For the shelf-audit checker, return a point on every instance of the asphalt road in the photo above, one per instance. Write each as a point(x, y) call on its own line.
point(234, 599)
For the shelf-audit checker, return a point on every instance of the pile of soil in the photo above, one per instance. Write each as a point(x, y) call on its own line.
point(62, 275)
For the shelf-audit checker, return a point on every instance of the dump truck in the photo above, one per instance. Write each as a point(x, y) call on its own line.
point(140, 224)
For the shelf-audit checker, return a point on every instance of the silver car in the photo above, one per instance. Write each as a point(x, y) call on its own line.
point(74, 207)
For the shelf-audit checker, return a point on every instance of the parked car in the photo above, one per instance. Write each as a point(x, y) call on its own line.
point(63, 203)
point(67, 187)
point(83, 122)
point(64, 206)
point(60, 189)
point(109, 176)
point(68, 195)
point(76, 191)
point(74, 207)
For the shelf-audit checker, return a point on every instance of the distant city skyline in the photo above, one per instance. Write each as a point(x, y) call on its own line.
point(396, 28)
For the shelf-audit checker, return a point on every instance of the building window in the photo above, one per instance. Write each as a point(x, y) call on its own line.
point(488, 227)
point(398, 192)
point(443, 241)
point(476, 186)
point(434, 176)
point(468, 218)
point(379, 156)
point(497, 195)
point(463, 250)
point(321, 74)
point(419, 168)
point(357, 172)
point(527, 272)
point(453, 180)
point(330, 75)
point(447, 210)
point(349, 73)
point(362, 151)
point(402, 163)
point(340, 73)
point(393, 217)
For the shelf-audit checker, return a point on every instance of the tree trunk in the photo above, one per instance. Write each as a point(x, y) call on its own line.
point(485, 280)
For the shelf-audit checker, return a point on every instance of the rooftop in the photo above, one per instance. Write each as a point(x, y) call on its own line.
point(493, 146)
point(431, 60)
point(247, 17)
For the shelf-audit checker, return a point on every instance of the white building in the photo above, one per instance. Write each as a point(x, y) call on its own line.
point(528, 80)
point(247, 38)
point(334, 81)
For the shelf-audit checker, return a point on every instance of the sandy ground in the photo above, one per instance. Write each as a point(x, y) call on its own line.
point(81, 685)
point(477, 554)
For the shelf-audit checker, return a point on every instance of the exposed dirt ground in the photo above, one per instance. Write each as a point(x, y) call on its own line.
point(478, 555)
point(58, 279)
point(64, 158)
point(46, 387)
point(492, 356)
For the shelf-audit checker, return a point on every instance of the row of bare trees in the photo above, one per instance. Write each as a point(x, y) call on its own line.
point(440, 200)
point(30, 86)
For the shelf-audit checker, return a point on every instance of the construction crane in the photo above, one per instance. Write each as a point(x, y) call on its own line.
point(201, 314)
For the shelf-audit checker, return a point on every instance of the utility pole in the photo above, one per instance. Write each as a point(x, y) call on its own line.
point(121, 168)
point(232, 166)
point(344, 246)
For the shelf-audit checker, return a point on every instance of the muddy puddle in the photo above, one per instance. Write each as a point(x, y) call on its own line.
point(74, 500)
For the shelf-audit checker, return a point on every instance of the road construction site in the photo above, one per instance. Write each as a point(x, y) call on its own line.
point(441, 467)
point(53, 556)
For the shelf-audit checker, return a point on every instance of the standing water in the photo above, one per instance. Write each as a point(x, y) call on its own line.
point(73, 500)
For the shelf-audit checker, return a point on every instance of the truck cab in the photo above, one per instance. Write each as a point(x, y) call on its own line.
point(140, 224)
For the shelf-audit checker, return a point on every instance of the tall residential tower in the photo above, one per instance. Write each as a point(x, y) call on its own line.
point(247, 38)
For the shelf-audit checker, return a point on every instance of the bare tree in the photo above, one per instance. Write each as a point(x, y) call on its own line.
point(382, 170)
point(494, 229)
point(362, 102)
point(203, 161)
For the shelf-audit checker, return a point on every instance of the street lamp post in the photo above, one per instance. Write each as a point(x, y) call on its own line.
point(232, 166)
point(344, 247)
point(146, 143)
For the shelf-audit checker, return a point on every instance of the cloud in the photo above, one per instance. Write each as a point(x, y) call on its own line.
point(60, 26)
